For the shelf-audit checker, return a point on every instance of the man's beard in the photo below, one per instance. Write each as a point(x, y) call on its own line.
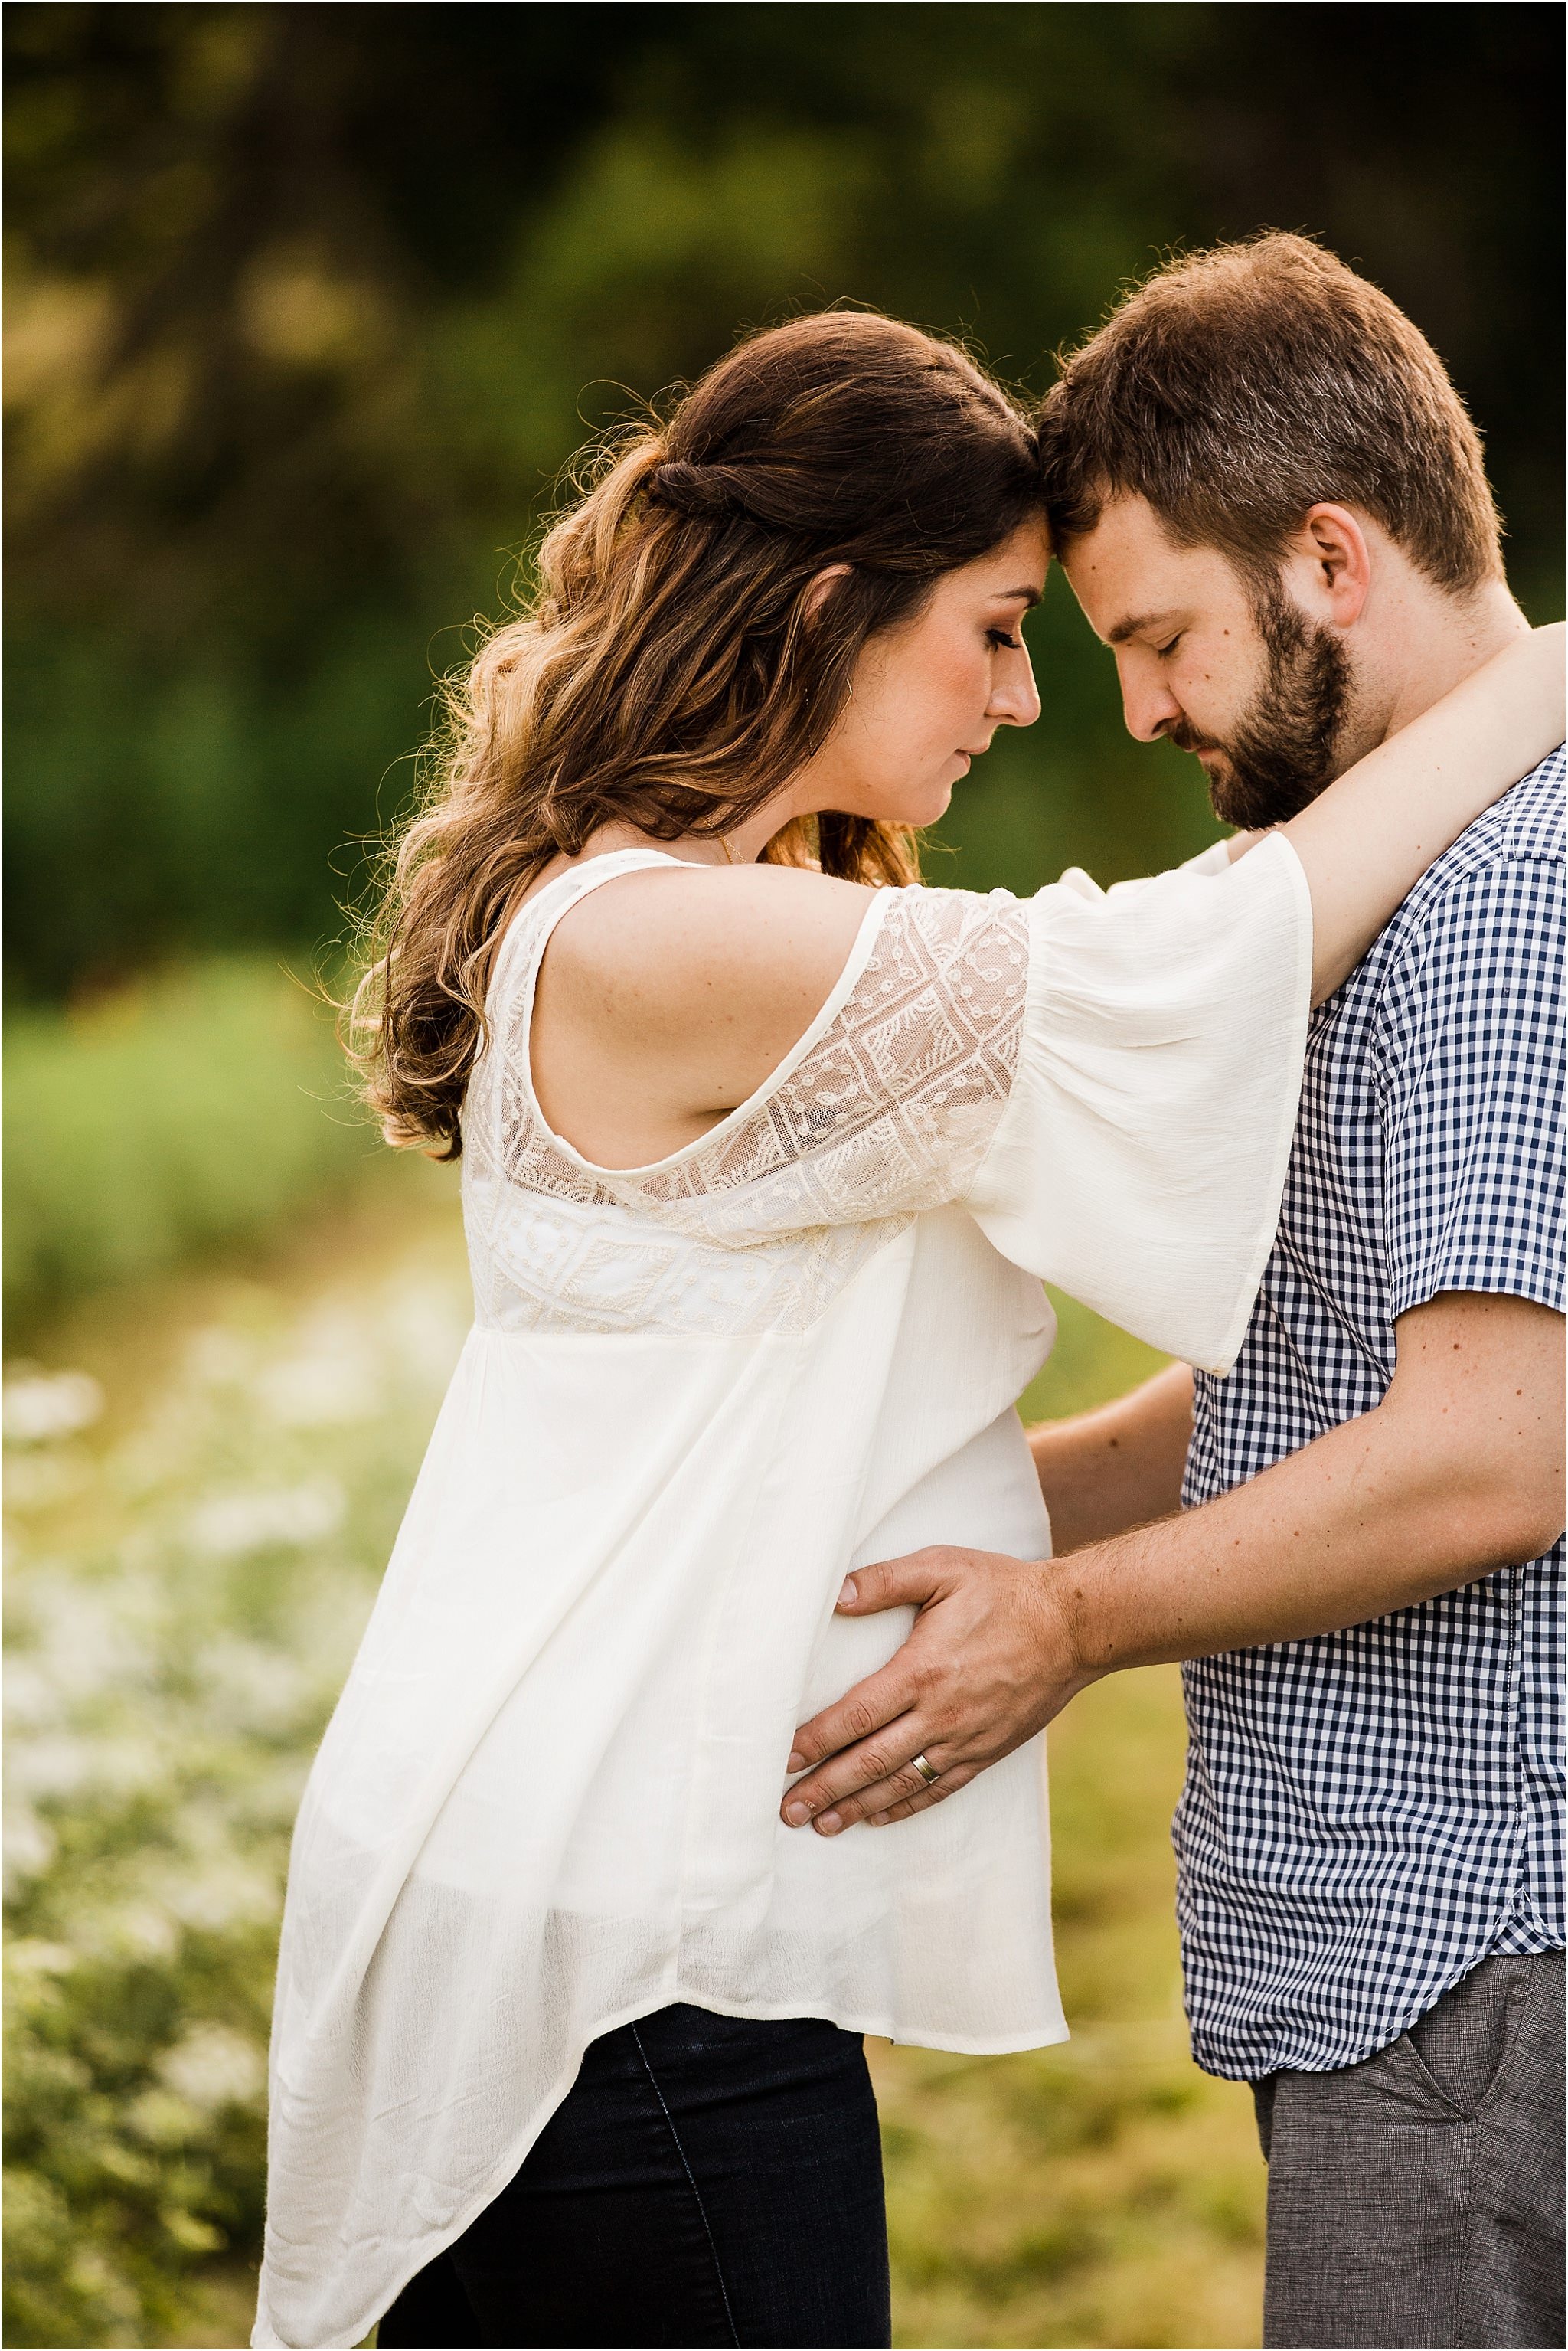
point(1282, 751)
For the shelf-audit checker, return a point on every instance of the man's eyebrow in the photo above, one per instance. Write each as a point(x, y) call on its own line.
point(1136, 626)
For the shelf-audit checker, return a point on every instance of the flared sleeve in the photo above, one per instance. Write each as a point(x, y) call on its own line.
point(1140, 1159)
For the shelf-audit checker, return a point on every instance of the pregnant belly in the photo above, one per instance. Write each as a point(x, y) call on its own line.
point(986, 1497)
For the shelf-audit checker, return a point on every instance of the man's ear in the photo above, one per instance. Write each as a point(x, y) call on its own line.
point(1332, 565)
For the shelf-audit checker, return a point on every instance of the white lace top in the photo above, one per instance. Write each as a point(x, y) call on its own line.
point(694, 1394)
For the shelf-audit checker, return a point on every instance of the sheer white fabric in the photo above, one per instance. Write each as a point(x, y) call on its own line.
point(694, 1394)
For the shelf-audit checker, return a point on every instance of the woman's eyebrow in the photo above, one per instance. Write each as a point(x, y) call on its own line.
point(1019, 595)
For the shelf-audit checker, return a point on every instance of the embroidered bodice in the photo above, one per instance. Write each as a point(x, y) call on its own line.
point(886, 1107)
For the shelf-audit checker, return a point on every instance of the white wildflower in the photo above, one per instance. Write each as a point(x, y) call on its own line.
point(219, 1891)
point(32, 1701)
point(227, 1526)
point(126, 1930)
point(62, 1764)
point(39, 1406)
point(334, 1377)
point(31, 1957)
point(83, 1646)
point(28, 1843)
point(214, 2066)
point(247, 1687)
point(52, 1766)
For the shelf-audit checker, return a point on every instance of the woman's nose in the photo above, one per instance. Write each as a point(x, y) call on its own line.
point(1015, 697)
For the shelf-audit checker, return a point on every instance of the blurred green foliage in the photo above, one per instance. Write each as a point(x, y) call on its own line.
point(199, 1512)
point(308, 305)
point(199, 1110)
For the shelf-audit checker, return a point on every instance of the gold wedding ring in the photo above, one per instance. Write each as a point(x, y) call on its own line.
point(927, 1771)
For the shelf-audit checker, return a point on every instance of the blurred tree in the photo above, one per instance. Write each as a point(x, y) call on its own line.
point(311, 304)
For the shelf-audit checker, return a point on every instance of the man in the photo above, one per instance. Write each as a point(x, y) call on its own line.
point(1271, 506)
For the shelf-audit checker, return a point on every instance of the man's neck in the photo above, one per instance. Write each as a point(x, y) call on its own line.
point(1440, 641)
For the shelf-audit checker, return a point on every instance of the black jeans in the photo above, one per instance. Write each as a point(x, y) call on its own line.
point(706, 2180)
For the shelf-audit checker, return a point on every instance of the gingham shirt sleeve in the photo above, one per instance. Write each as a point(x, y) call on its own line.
point(1471, 1078)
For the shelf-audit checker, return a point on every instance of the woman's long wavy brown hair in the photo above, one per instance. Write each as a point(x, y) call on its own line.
point(671, 670)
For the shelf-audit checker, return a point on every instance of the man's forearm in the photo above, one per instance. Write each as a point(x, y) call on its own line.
point(1104, 1471)
point(1460, 1470)
point(1375, 1516)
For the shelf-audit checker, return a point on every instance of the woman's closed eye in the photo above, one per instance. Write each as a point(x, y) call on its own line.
point(1000, 637)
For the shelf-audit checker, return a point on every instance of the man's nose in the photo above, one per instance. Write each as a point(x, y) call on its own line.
point(1148, 705)
point(1015, 697)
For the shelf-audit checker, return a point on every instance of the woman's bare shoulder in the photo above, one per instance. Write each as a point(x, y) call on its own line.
point(671, 948)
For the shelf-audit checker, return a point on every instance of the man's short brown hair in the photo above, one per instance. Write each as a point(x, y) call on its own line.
point(1238, 388)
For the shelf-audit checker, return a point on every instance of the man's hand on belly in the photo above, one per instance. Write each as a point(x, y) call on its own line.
point(988, 1664)
point(1457, 1472)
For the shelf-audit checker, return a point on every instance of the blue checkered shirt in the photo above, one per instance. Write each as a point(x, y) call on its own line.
point(1368, 1813)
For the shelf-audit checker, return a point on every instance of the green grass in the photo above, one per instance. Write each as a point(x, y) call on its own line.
point(192, 1562)
point(182, 1116)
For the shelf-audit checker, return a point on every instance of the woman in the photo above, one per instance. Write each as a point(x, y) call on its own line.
point(766, 1151)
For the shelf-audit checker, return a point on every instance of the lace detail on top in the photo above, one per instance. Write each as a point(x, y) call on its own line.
point(885, 1108)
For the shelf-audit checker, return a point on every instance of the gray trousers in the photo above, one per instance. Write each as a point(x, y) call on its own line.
point(1416, 2200)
